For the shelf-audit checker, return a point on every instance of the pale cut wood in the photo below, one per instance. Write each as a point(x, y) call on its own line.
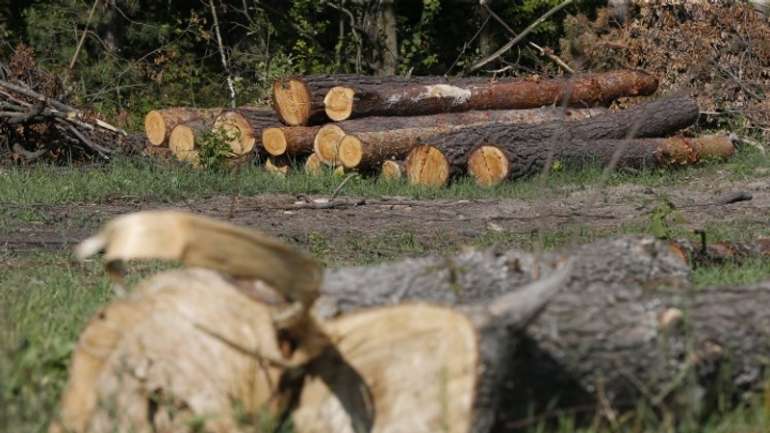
point(488, 165)
point(326, 144)
point(277, 165)
point(244, 125)
point(158, 124)
point(427, 166)
point(313, 165)
point(289, 140)
point(392, 170)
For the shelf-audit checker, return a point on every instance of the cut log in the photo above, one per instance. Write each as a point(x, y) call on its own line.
point(489, 165)
point(278, 166)
point(627, 319)
point(214, 344)
point(347, 102)
point(185, 140)
point(426, 166)
point(654, 119)
point(289, 140)
point(301, 100)
point(313, 165)
point(244, 126)
point(371, 140)
point(392, 170)
point(327, 143)
point(158, 124)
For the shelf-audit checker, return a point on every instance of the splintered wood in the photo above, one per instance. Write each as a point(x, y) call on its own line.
point(239, 333)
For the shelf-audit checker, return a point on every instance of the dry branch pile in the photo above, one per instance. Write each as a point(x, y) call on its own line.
point(255, 332)
point(36, 121)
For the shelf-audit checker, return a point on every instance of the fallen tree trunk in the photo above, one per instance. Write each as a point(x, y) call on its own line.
point(158, 124)
point(289, 140)
point(243, 128)
point(624, 322)
point(299, 101)
point(211, 343)
point(654, 119)
point(490, 165)
point(369, 141)
point(348, 102)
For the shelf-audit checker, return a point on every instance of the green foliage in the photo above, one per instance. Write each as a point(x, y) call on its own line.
point(214, 148)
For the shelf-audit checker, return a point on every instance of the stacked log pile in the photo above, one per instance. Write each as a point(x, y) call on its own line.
point(429, 130)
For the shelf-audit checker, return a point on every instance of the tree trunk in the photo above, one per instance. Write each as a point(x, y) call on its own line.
point(489, 165)
point(388, 100)
point(618, 321)
point(301, 100)
point(654, 119)
point(371, 140)
point(289, 140)
point(387, 38)
point(158, 124)
point(244, 126)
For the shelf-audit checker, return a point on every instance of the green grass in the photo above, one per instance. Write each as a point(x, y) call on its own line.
point(143, 179)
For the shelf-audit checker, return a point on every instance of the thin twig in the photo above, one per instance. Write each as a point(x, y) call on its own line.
point(341, 185)
point(230, 86)
point(521, 35)
point(83, 36)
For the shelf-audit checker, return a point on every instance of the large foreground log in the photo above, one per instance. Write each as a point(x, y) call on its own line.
point(201, 349)
point(300, 100)
point(158, 124)
point(489, 165)
point(244, 127)
point(627, 324)
point(654, 119)
point(369, 141)
point(347, 102)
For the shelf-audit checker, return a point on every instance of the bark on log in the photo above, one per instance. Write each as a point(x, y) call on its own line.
point(654, 119)
point(299, 101)
point(245, 126)
point(618, 321)
point(158, 124)
point(489, 165)
point(371, 140)
point(347, 102)
point(289, 140)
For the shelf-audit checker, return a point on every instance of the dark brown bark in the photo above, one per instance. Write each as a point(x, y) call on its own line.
point(419, 99)
point(619, 321)
point(632, 153)
point(529, 145)
point(375, 139)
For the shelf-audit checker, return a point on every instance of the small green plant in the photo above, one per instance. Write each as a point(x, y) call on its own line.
point(214, 148)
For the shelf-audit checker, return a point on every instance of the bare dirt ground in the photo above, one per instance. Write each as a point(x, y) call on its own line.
point(699, 203)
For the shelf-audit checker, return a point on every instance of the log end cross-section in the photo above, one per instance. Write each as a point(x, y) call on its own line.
point(488, 165)
point(238, 129)
point(338, 103)
point(292, 101)
point(392, 170)
point(351, 151)
point(182, 144)
point(274, 141)
point(155, 127)
point(427, 166)
point(326, 143)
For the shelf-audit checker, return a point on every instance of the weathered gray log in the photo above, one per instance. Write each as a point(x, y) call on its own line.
point(654, 119)
point(628, 319)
